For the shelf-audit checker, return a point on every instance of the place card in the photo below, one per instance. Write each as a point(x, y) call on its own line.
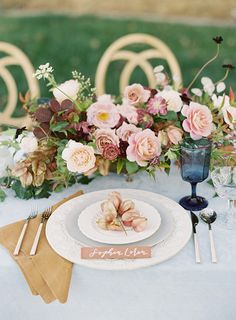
point(119, 252)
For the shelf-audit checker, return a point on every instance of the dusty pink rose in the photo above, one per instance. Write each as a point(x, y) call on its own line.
point(110, 152)
point(174, 134)
point(136, 93)
point(128, 112)
point(143, 147)
point(199, 120)
point(157, 105)
point(103, 115)
point(125, 131)
point(104, 137)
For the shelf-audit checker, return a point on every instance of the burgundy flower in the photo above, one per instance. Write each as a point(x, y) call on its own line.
point(218, 39)
point(110, 152)
point(228, 66)
point(144, 118)
point(185, 98)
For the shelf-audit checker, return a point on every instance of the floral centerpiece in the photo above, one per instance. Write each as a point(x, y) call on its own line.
point(76, 135)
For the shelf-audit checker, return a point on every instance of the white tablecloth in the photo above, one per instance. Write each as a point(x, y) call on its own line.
point(176, 289)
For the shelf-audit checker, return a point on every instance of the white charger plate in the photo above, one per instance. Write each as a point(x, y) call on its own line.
point(87, 223)
point(69, 248)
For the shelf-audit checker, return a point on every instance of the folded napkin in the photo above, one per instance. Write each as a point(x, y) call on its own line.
point(46, 273)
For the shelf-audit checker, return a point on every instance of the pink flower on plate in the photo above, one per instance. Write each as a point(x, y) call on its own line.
point(136, 93)
point(199, 120)
point(174, 134)
point(143, 147)
point(125, 131)
point(104, 137)
point(157, 105)
point(128, 112)
point(103, 115)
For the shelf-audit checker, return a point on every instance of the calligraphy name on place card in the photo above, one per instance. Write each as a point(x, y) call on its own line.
point(116, 252)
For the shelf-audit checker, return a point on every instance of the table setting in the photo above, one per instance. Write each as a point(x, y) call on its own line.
point(98, 185)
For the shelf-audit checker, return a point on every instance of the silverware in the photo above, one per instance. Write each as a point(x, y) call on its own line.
point(32, 215)
point(195, 221)
point(45, 216)
point(209, 216)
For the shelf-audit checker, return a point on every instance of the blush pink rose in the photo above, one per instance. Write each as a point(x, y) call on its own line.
point(199, 120)
point(136, 93)
point(143, 147)
point(125, 131)
point(174, 134)
point(104, 137)
point(128, 112)
point(103, 115)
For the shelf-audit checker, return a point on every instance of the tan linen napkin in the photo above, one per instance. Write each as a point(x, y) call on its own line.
point(46, 273)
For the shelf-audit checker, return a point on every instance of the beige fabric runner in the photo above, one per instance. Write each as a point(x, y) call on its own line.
point(46, 273)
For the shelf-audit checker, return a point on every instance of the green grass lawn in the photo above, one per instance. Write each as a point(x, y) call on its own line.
point(70, 43)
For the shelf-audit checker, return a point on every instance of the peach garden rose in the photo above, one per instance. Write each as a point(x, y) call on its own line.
point(143, 147)
point(174, 134)
point(198, 120)
point(136, 93)
point(79, 158)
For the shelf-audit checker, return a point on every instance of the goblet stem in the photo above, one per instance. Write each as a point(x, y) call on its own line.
point(194, 190)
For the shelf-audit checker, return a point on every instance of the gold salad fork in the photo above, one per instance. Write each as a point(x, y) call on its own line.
point(45, 216)
point(32, 215)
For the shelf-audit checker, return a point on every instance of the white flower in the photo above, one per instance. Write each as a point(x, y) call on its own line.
point(105, 98)
point(197, 92)
point(160, 78)
point(208, 85)
point(220, 87)
point(223, 104)
point(67, 90)
point(172, 97)
point(158, 69)
point(79, 158)
point(29, 143)
point(43, 71)
point(6, 161)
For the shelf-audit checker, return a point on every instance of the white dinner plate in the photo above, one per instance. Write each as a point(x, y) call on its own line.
point(70, 248)
point(87, 223)
point(164, 231)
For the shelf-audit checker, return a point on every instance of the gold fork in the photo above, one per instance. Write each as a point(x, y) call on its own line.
point(32, 215)
point(45, 216)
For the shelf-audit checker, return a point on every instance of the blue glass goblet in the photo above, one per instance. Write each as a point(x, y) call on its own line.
point(195, 162)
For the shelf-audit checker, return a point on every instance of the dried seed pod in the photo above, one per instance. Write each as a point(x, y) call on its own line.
point(125, 206)
point(139, 224)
